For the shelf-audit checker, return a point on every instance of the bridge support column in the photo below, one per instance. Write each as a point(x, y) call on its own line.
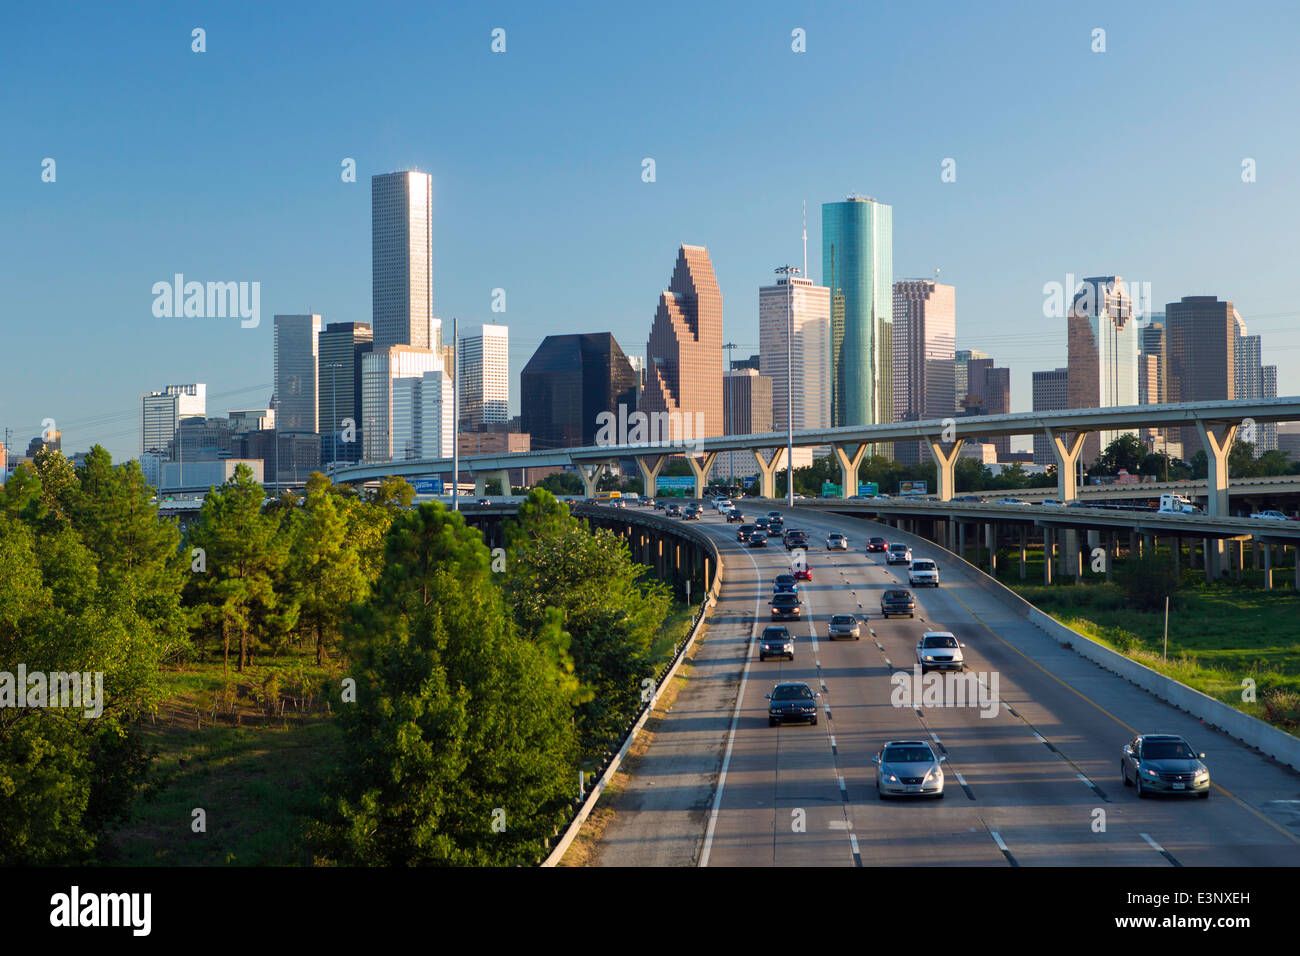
point(991, 542)
point(767, 470)
point(943, 465)
point(481, 478)
point(591, 476)
point(700, 469)
point(1207, 551)
point(650, 472)
point(1024, 547)
point(1049, 553)
point(1239, 558)
point(1268, 564)
point(1110, 546)
point(1067, 458)
point(961, 540)
point(1069, 552)
point(849, 469)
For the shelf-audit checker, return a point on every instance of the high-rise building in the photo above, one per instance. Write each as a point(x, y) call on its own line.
point(401, 251)
point(296, 373)
point(423, 415)
point(1051, 394)
point(804, 310)
point(341, 347)
point(1102, 347)
point(387, 412)
point(988, 392)
point(485, 377)
point(1201, 341)
point(246, 420)
point(161, 414)
point(858, 268)
point(684, 351)
point(961, 376)
point(747, 410)
point(1251, 379)
point(568, 382)
point(925, 339)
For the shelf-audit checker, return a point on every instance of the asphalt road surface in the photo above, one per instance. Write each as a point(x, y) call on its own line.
point(1032, 777)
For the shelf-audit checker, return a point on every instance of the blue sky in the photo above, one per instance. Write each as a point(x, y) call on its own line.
point(225, 165)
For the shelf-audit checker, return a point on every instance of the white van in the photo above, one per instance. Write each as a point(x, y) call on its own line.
point(1177, 505)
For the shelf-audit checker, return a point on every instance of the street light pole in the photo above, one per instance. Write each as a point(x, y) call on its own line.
point(455, 414)
point(789, 272)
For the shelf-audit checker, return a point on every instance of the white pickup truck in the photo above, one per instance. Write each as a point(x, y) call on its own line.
point(923, 573)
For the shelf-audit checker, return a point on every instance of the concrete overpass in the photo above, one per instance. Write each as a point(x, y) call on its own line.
point(1216, 421)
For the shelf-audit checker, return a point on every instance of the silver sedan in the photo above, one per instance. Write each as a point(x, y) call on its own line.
point(908, 768)
point(843, 625)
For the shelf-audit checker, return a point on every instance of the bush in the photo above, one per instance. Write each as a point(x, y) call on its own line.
point(1146, 581)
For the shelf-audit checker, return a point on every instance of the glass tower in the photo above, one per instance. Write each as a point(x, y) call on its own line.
point(401, 248)
point(858, 267)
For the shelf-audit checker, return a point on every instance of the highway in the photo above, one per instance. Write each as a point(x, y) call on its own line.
point(1033, 782)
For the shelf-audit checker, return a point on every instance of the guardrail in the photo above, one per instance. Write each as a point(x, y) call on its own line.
point(666, 674)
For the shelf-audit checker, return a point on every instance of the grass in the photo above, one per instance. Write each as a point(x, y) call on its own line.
point(1220, 635)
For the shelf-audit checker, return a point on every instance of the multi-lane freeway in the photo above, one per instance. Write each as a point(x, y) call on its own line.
point(1034, 781)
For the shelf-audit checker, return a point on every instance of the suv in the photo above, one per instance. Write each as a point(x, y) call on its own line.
point(776, 641)
point(898, 554)
point(923, 573)
point(744, 531)
point(734, 515)
point(897, 601)
point(673, 511)
point(791, 700)
point(939, 651)
point(785, 606)
point(843, 625)
point(796, 539)
point(836, 542)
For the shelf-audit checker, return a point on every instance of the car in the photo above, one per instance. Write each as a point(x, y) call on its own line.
point(1164, 763)
point(1052, 502)
point(791, 701)
point(692, 513)
point(743, 532)
point(877, 544)
point(785, 606)
point(836, 542)
point(923, 573)
point(1271, 516)
point(659, 505)
point(897, 601)
point(757, 539)
point(774, 514)
point(722, 503)
point(673, 511)
point(785, 582)
point(734, 515)
point(762, 523)
point(908, 768)
point(1011, 501)
point(803, 573)
point(775, 642)
point(939, 651)
point(843, 625)
point(898, 553)
point(484, 501)
point(970, 499)
point(776, 524)
point(796, 539)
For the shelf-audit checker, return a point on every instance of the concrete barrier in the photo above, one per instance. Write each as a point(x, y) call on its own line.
point(1251, 731)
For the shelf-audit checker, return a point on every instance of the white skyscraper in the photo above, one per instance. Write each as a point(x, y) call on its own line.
point(296, 373)
point(161, 414)
point(485, 377)
point(392, 404)
point(401, 252)
point(925, 341)
point(805, 309)
point(1102, 344)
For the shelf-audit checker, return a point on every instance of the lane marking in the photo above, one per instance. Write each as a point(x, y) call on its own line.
point(1161, 850)
point(853, 842)
point(1003, 847)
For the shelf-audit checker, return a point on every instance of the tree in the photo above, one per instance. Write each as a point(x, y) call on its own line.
point(562, 483)
point(1125, 451)
point(1146, 581)
point(459, 747)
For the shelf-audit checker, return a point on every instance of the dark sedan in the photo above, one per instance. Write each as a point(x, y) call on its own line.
point(785, 606)
point(791, 701)
point(877, 544)
point(776, 641)
point(897, 601)
point(734, 515)
point(1164, 763)
point(757, 539)
point(785, 582)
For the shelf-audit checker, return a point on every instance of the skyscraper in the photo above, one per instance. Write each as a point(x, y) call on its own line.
point(925, 338)
point(401, 250)
point(988, 392)
point(1051, 394)
point(961, 376)
point(1252, 379)
point(747, 410)
point(569, 381)
point(161, 414)
point(805, 309)
point(485, 377)
point(1201, 340)
point(387, 412)
point(858, 268)
point(340, 348)
point(684, 351)
point(1102, 347)
point(296, 371)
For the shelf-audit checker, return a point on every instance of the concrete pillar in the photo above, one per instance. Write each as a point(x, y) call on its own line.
point(961, 540)
point(1067, 460)
point(991, 542)
point(1268, 564)
point(768, 469)
point(1132, 544)
point(1148, 544)
point(1024, 547)
point(1239, 559)
point(1067, 553)
point(1208, 561)
point(1049, 553)
point(591, 475)
point(700, 469)
point(1254, 554)
point(650, 466)
point(849, 468)
point(943, 465)
point(1110, 539)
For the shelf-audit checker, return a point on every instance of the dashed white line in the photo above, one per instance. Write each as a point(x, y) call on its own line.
point(998, 840)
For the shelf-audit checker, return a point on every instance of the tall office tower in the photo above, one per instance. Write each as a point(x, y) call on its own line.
point(754, 361)
point(246, 420)
point(925, 339)
point(383, 422)
point(1249, 380)
point(485, 377)
point(638, 368)
point(341, 346)
point(1051, 394)
point(296, 371)
point(747, 410)
point(568, 382)
point(1152, 363)
point(1201, 340)
point(1102, 348)
point(805, 310)
point(161, 414)
point(961, 359)
point(423, 415)
point(988, 392)
point(401, 255)
point(1266, 437)
point(858, 268)
point(684, 351)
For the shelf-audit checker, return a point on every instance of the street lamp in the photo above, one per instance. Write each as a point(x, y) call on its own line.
point(789, 272)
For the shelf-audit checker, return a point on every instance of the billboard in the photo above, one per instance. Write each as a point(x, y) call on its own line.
point(678, 486)
point(871, 488)
point(912, 488)
point(427, 486)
